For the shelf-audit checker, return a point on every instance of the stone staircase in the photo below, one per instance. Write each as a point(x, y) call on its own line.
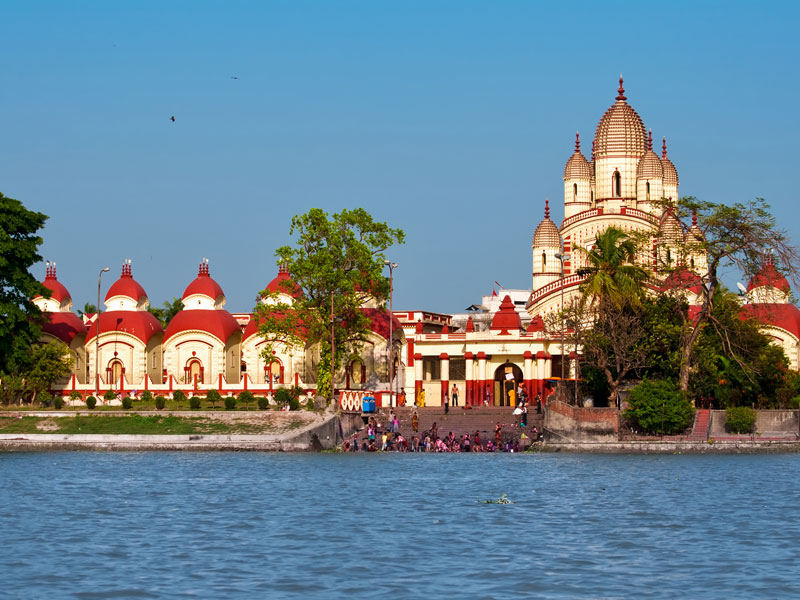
point(460, 421)
point(702, 423)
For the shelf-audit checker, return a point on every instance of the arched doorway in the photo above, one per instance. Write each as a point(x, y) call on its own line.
point(356, 373)
point(507, 379)
point(193, 368)
point(114, 371)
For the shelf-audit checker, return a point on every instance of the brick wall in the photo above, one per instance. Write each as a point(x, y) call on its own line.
point(576, 423)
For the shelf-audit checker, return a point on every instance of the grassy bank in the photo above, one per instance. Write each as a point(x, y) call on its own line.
point(143, 425)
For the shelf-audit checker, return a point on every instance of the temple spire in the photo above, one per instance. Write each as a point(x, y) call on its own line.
point(650, 140)
point(577, 142)
point(664, 147)
point(621, 91)
point(546, 208)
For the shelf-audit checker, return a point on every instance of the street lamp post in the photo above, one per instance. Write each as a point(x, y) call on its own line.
point(97, 337)
point(561, 258)
point(392, 266)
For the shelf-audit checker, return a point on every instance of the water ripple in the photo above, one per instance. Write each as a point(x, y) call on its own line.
point(183, 525)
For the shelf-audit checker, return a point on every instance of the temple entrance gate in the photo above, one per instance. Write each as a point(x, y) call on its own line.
point(507, 379)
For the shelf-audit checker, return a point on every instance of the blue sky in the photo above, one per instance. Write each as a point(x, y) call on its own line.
point(450, 120)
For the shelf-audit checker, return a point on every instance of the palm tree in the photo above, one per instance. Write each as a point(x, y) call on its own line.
point(88, 309)
point(165, 315)
point(610, 274)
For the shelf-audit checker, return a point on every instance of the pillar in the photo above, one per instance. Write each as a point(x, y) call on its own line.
point(469, 393)
point(445, 373)
point(417, 375)
point(481, 378)
point(527, 374)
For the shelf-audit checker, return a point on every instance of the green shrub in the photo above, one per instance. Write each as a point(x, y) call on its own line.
point(58, 402)
point(110, 395)
point(659, 407)
point(213, 396)
point(309, 404)
point(161, 402)
point(74, 395)
point(91, 402)
point(263, 404)
point(230, 403)
point(127, 403)
point(740, 419)
point(283, 397)
point(294, 403)
point(178, 397)
point(147, 397)
point(246, 397)
point(194, 403)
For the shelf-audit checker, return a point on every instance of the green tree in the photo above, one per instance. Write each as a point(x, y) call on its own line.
point(213, 396)
point(49, 363)
point(658, 407)
point(610, 275)
point(727, 237)
point(335, 265)
point(88, 309)
point(19, 250)
point(613, 291)
point(167, 312)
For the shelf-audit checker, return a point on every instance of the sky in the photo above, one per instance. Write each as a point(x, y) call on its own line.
point(451, 120)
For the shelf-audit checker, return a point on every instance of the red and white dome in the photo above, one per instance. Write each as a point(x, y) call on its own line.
point(202, 311)
point(126, 293)
point(61, 322)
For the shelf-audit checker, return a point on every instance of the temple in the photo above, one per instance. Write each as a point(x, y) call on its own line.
point(487, 353)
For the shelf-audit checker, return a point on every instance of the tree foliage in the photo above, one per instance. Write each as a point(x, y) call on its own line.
point(740, 419)
point(49, 363)
point(335, 266)
point(19, 250)
point(611, 277)
point(167, 312)
point(658, 407)
point(728, 236)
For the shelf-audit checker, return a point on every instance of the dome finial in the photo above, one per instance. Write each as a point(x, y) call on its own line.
point(664, 147)
point(592, 149)
point(694, 218)
point(546, 208)
point(577, 142)
point(649, 140)
point(621, 90)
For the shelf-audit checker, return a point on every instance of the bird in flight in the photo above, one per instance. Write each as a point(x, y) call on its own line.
point(172, 119)
point(234, 77)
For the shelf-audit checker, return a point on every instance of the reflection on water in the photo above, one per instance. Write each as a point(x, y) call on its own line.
point(224, 525)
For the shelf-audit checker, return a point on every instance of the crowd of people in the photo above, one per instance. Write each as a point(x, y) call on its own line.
point(387, 438)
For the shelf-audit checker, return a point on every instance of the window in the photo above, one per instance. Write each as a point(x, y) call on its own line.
point(574, 192)
point(647, 185)
point(616, 185)
point(544, 259)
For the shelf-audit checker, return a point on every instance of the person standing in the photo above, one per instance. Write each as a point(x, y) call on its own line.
point(446, 401)
point(488, 400)
point(524, 417)
point(415, 421)
point(401, 399)
point(454, 395)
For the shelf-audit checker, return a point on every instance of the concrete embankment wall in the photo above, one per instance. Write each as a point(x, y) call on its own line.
point(668, 447)
point(767, 421)
point(581, 424)
point(322, 435)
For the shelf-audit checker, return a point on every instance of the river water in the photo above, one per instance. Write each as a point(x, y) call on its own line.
point(228, 525)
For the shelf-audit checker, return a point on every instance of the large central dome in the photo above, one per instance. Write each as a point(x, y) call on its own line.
point(620, 131)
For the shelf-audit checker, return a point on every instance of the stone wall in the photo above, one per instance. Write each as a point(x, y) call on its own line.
point(581, 424)
point(767, 421)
